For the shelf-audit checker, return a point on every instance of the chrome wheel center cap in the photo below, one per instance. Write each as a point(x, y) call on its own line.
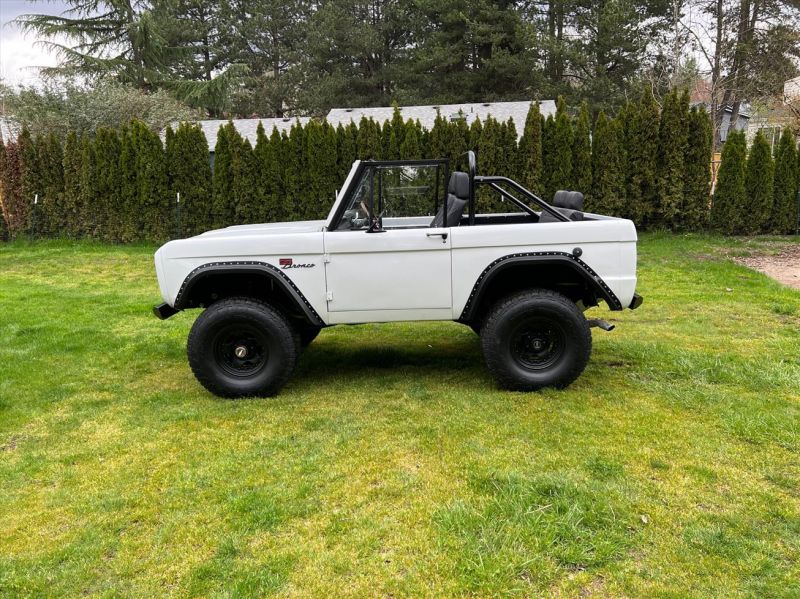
point(241, 352)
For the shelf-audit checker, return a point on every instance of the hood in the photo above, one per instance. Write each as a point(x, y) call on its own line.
point(306, 226)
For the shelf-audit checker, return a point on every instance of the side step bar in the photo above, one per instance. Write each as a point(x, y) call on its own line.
point(164, 311)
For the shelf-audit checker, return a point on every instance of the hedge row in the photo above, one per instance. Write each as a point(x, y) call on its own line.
point(649, 164)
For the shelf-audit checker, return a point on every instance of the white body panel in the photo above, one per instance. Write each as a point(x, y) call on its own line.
point(413, 273)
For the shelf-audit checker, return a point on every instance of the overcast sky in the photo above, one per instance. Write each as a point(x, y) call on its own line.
point(18, 52)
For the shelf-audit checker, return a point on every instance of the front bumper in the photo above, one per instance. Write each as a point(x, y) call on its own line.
point(164, 311)
point(636, 301)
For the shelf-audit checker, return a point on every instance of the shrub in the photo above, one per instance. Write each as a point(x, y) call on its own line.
point(729, 196)
point(759, 181)
point(783, 217)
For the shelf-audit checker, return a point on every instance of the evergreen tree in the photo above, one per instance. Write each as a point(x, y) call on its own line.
point(346, 139)
point(783, 219)
point(30, 180)
point(730, 194)
point(438, 138)
point(530, 150)
point(560, 151)
point(759, 182)
point(411, 148)
point(51, 158)
point(321, 170)
point(296, 177)
point(490, 157)
point(261, 152)
point(3, 226)
point(108, 184)
point(152, 186)
point(673, 141)
point(189, 174)
point(273, 166)
point(608, 177)
point(369, 139)
point(130, 225)
point(246, 194)
point(697, 174)
point(582, 152)
point(642, 155)
point(222, 207)
point(459, 140)
point(548, 128)
point(87, 220)
point(474, 142)
point(510, 150)
point(72, 185)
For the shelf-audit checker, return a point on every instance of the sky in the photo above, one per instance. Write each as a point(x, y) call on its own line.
point(19, 53)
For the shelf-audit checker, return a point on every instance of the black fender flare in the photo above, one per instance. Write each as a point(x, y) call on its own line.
point(569, 260)
point(248, 268)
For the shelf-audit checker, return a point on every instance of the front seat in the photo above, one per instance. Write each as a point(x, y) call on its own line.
point(457, 198)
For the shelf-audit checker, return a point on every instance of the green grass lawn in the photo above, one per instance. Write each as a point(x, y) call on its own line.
point(391, 465)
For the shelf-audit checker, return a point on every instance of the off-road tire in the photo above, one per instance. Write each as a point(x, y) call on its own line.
point(270, 342)
point(535, 338)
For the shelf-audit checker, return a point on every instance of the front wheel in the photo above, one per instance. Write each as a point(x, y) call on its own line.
point(242, 347)
point(535, 339)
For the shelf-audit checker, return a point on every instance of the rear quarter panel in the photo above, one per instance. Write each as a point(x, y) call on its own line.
point(608, 246)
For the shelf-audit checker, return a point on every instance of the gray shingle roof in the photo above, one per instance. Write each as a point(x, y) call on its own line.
point(501, 111)
point(426, 115)
point(248, 127)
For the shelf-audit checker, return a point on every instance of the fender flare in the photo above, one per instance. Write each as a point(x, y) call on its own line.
point(248, 268)
point(571, 261)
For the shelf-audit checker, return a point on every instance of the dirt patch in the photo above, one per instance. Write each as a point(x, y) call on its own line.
point(783, 266)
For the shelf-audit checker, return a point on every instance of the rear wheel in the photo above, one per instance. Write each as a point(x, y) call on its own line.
point(534, 339)
point(242, 347)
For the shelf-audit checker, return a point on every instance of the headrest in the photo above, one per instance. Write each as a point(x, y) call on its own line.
point(568, 199)
point(459, 185)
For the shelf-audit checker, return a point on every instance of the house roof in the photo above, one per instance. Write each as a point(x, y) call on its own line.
point(426, 115)
point(248, 127)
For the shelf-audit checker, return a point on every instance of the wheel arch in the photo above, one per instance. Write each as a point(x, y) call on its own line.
point(211, 282)
point(557, 271)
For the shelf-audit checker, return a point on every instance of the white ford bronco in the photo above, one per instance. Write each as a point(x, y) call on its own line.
point(404, 240)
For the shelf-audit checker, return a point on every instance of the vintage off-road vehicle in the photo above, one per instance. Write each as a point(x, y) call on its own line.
point(404, 240)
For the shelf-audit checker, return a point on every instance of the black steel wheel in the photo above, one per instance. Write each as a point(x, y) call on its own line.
point(534, 339)
point(242, 347)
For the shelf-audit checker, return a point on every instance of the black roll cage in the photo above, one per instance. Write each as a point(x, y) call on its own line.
point(492, 181)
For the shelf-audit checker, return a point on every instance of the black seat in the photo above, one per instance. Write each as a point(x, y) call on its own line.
point(573, 200)
point(457, 198)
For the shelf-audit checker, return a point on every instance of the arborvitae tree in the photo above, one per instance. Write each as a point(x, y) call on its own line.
point(397, 126)
point(157, 208)
point(697, 173)
point(783, 219)
point(296, 178)
point(3, 226)
point(260, 155)
point(346, 139)
point(88, 221)
point(459, 140)
point(490, 160)
point(130, 223)
point(321, 171)
point(548, 129)
point(560, 151)
point(108, 204)
point(30, 181)
point(758, 186)
point(13, 205)
point(643, 151)
point(72, 185)
point(582, 152)
point(246, 193)
point(411, 148)
point(369, 139)
point(189, 174)
point(51, 158)
point(530, 151)
point(273, 165)
point(673, 140)
point(222, 207)
point(608, 178)
point(508, 142)
point(437, 138)
point(729, 196)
